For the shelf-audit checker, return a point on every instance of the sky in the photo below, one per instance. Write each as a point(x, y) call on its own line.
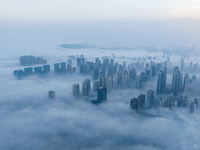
point(26, 23)
point(63, 11)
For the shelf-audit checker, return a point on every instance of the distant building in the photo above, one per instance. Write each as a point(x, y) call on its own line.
point(197, 102)
point(126, 79)
point(138, 83)
point(75, 89)
point(185, 82)
point(109, 82)
point(56, 67)
point(173, 104)
point(192, 107)
point(161, 80)
point(150, 96)
point(51, 94)
point(96, 85)
point(142, 101)
point(186, 102)
point(176, 81)
point(28, 71)
point(31, 60)
point(63, 67)
point(119, 77)
point(86, 87)
point(134, 103)
point(101, 94)
point(168, 100)
point(161, 102)
point(46, 68)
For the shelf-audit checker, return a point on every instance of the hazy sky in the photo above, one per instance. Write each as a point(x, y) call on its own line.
point(96, 10)
point(26, 23)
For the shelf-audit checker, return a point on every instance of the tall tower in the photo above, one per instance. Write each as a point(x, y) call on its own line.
point(161, 80)
point(126, 79)
point(109, 83)
point(119, 77)
point(150, 96)
point(176, 81)
point(95, 85)
point(101, 94)
point(86, 87)
point(142, 102)
point(75, 89)
point(185, 82)
point(134, 103)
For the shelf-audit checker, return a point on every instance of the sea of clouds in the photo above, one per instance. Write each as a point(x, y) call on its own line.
point(30, 120)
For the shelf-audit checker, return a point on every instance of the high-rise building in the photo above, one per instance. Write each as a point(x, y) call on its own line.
point(63, 67)
point(69, 67)
point(176, 81)
point(86, 87)
point(56, 67)
point(134, 103)
point(127, 79)
point(142, 101)
point(28, 71)
point(102, 81)
point(119, 77)
point(161, 80)
point(109, 82)
point(96, 85)
point(173, 104)
point(150, 96)
point(197, 102)
point(111, 62)
point(133, 74)
point(101, 94)
point(161, 102)
point(46, 68)
point(142, 76)
point(180, 99)
point(38, 70)
point(75, 89)
point(186, 102)
point(95, 74)
point(138, 82)
point(192, 107)
point(185, 82)
point(51, 94)
point(168, 100)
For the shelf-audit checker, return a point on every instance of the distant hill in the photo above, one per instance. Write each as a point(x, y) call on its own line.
point(76, 46)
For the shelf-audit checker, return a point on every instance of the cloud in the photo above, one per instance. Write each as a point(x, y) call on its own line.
point(187, 12)
point(29, 120)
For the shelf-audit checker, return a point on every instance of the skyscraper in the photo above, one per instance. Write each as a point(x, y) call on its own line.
point(109, 83)
point(75, 89)
point(119, 77)
point(86, 87)
point(51, 94)
point(142, 103)
point(138, 83)
point(185, 82)
point(176, 81)
point(134, 103)
point(150, 96)
point(161, 80)
point(96, 85)
point(101, 94)
point(126, 79)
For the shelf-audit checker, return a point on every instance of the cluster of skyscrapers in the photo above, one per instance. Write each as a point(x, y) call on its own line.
point(31, 60)
point(32, 70)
